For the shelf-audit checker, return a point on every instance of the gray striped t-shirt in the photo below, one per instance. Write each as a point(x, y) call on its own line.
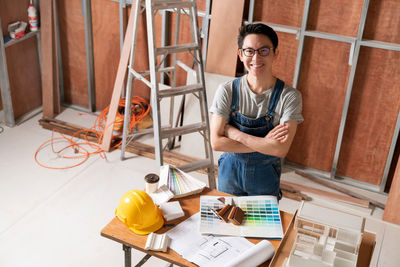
point(251, 105)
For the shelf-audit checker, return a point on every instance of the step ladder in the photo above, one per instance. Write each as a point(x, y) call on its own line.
point(158, 65)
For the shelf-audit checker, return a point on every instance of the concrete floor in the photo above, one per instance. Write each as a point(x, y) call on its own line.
point(54, 217)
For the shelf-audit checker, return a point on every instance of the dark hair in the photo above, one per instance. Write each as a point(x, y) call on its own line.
point(257, 28)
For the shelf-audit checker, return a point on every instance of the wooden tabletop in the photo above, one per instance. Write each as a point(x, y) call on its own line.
point(117, 231)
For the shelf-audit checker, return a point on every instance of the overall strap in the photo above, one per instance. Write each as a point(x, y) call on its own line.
point(235, 94)
point(278, 88)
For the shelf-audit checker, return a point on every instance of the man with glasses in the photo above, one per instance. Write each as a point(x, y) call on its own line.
point(254, 118)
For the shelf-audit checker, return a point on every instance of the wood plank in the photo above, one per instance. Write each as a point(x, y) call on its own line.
point(56, 59)
point(392, 210)
point(73, 50)
point(119, 81)
point(328, 16)
point(222, 43)
point(383, 21)
point(47, 46)
point(372, 116)
point(323, 83)
point(341, 189)
point(326, 194)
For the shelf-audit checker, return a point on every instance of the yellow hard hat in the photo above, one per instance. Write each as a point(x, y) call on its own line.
point(139, 213)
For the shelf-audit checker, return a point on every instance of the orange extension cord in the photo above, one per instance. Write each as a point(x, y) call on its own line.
point(83, 149)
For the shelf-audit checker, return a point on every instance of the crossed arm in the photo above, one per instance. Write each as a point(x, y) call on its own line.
point(225, 137)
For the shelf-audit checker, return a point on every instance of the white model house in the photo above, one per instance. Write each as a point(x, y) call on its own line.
point(325, 237)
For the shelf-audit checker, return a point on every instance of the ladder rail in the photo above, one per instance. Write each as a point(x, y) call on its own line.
point(154, 81)
point(174, 73)
point(203, 96)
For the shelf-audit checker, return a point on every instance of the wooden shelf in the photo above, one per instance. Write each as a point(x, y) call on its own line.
point(26, 36)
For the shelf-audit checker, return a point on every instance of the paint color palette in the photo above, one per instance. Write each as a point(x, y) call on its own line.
point(178, 182)
point(262, 218)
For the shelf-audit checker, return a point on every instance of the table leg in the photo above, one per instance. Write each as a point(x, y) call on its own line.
point(128, 261)
point(143, 261)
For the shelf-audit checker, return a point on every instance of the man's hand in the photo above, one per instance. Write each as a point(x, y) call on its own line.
point(279, 133)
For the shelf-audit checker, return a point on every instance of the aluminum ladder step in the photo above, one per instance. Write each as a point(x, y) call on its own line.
point(187, 129)
point(181, 90)
point(176, 48)
point(167, 69)
point(196, 165)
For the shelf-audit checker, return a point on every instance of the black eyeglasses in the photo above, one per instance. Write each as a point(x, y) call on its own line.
point(263, 51)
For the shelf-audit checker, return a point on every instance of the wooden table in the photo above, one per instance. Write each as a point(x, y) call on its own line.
point(117, 231)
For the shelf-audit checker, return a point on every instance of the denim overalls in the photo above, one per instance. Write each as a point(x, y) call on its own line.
point(243, 174)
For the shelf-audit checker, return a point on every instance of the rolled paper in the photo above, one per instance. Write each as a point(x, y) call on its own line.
point(253, 256)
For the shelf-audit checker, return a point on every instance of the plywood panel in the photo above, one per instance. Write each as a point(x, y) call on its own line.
point(222, 42)
point(72, 35)
point(106, 48)
point(24, 76)
point(339, 16)
point(284, 65)
point(22, 61)
point(374, 106)
point(286, 12)
point(323, 81)
point(383, 21)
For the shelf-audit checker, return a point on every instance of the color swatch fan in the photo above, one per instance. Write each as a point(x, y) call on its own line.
point(262, 218)
point(179, 182)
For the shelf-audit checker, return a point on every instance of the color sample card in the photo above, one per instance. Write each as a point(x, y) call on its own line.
point(261, 219)
point(178, 182)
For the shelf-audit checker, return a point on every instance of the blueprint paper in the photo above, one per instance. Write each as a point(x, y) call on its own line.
point(205, 250)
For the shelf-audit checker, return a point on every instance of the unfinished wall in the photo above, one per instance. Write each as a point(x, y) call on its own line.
point(322, 82)
point(324, 74)
point(22, 61)
point(372, 116)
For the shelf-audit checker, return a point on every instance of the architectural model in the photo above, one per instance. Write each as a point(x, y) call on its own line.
point(325, 237)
